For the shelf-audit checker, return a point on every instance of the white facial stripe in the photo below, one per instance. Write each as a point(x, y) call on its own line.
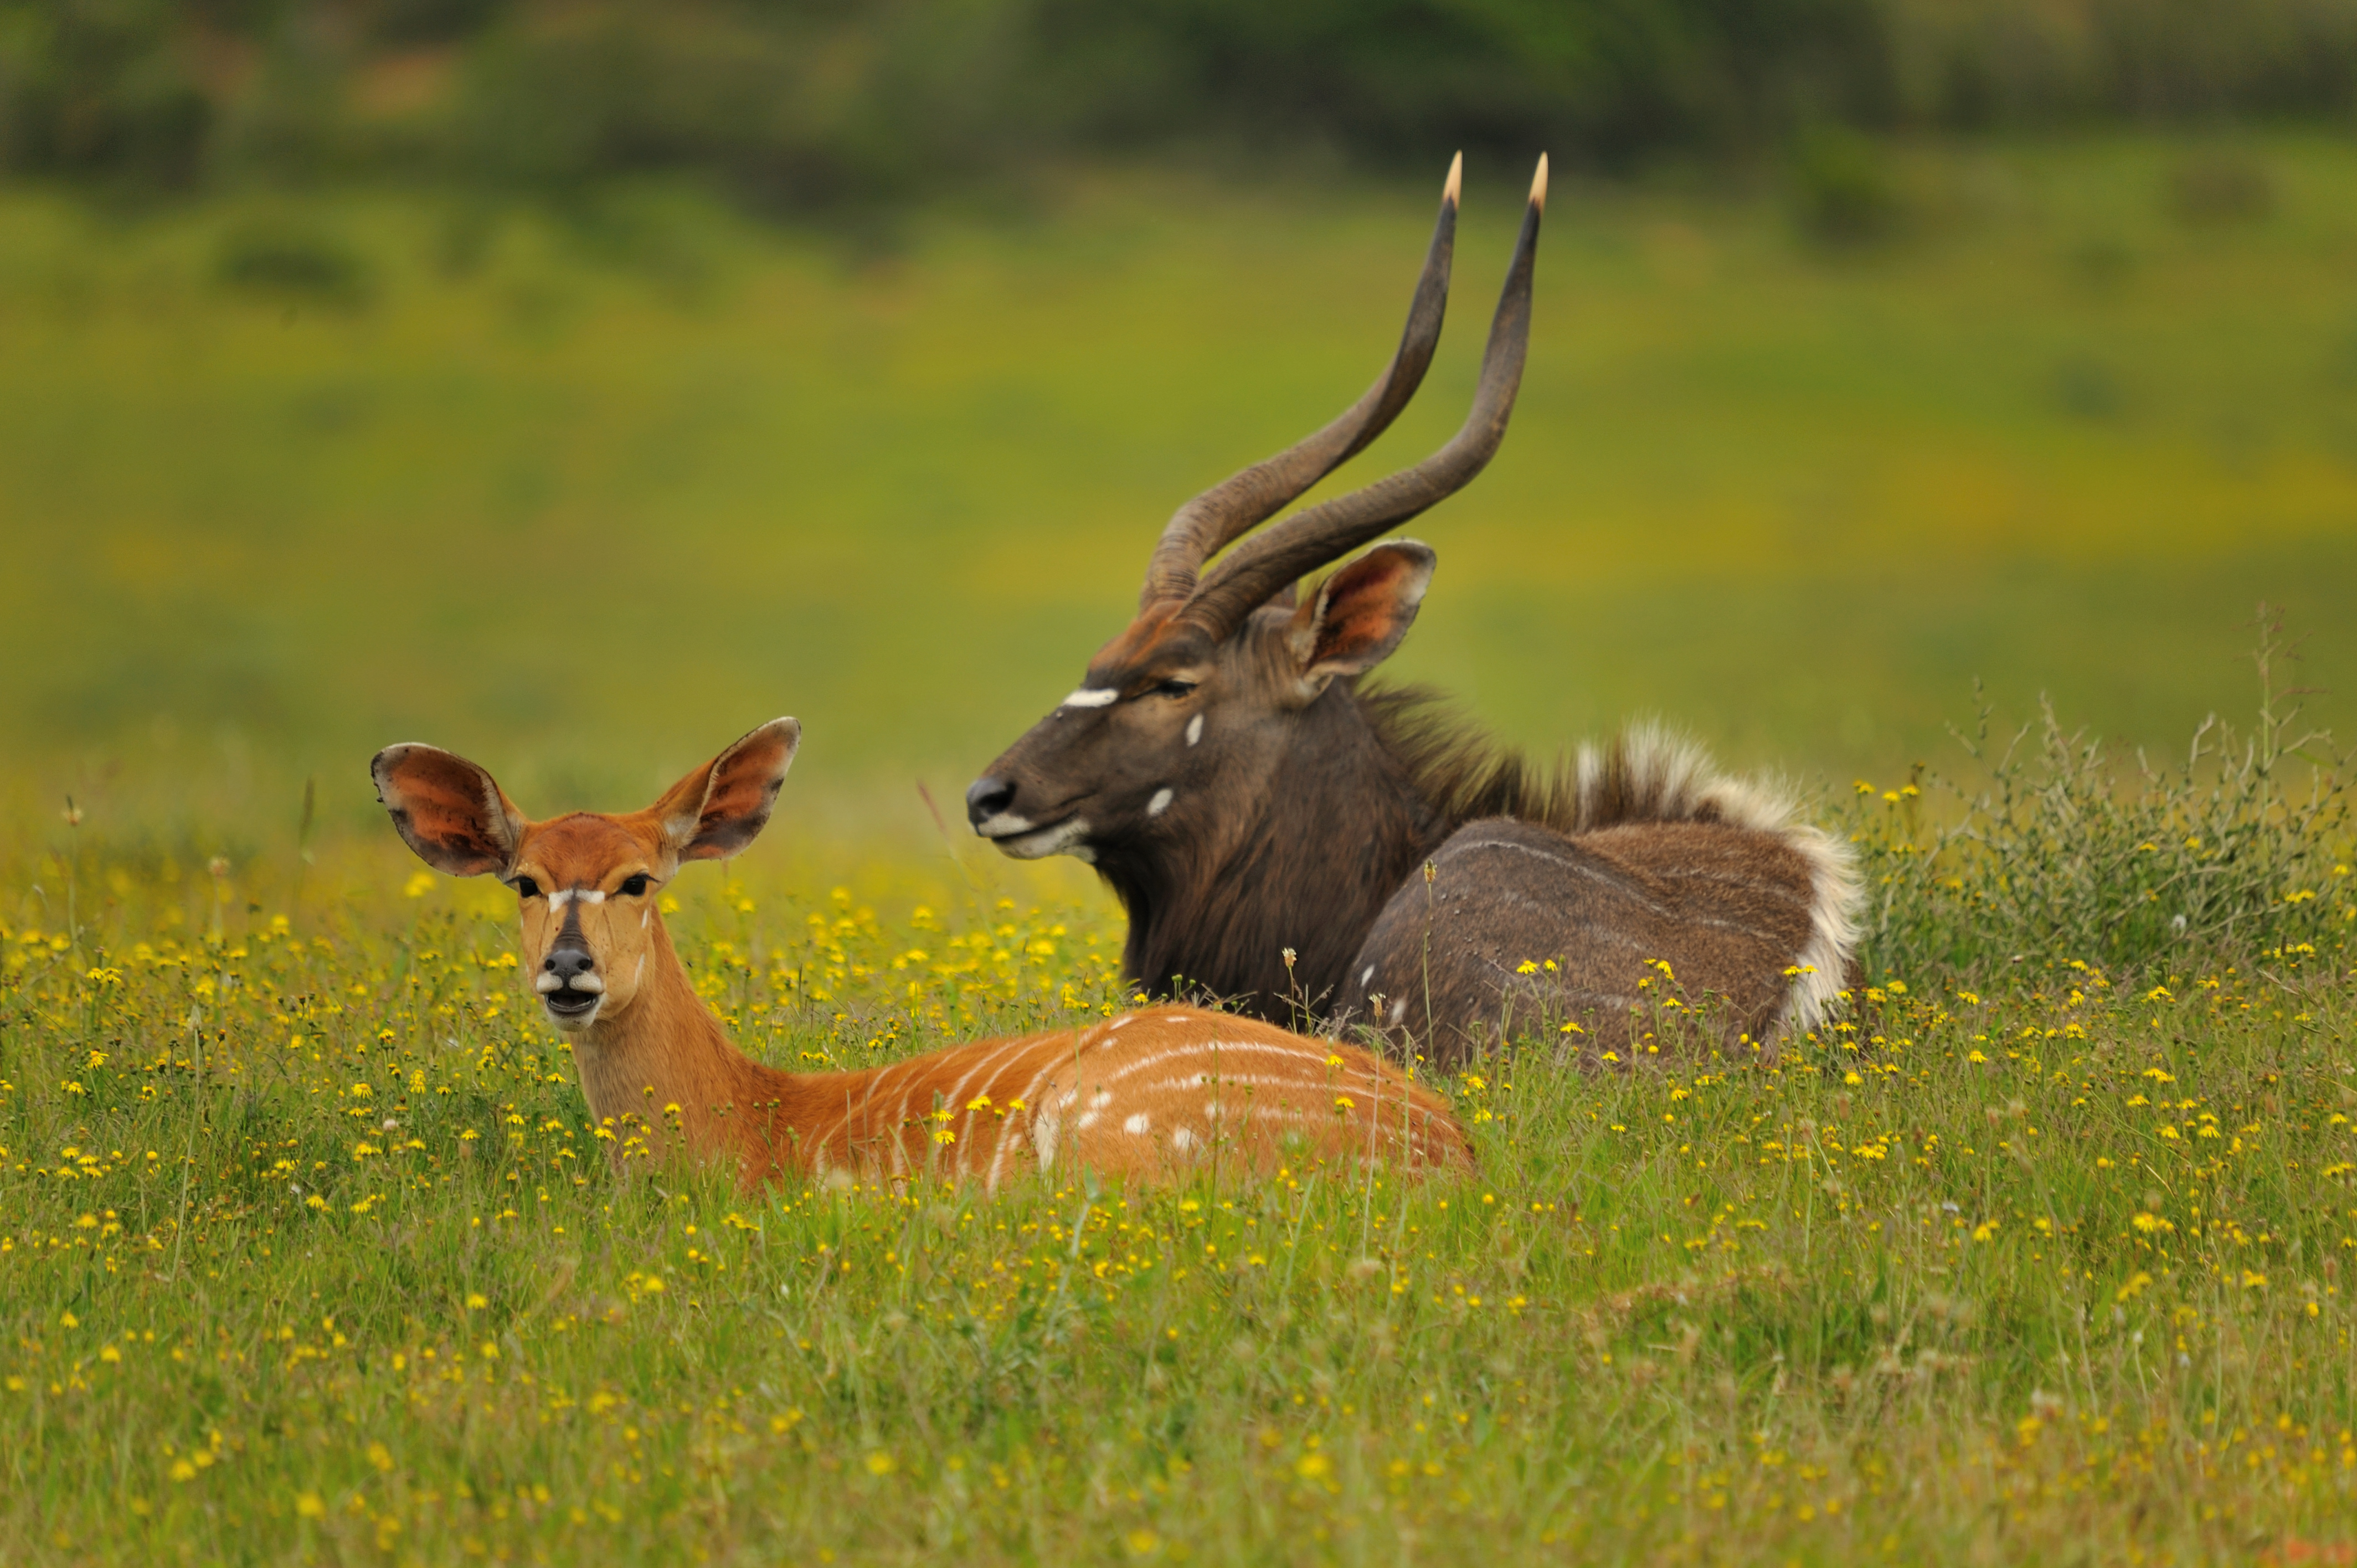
point(1160, 803)
point(557, 900)
point(1090, 697)
point(1194, 729)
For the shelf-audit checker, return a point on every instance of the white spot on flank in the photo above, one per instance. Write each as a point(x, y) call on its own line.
point(1194, 729)
point(1182, 1139)
point(1160, 803)
point(1099, 1099)
point(1087, 1120)
point(1399, 1011)
point(1368, 974)
point(1137, 1124)
point(1089, 697)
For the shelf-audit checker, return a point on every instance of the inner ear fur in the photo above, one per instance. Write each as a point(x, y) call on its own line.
point(723, 806)
point(448, 810)
point(1360, 612)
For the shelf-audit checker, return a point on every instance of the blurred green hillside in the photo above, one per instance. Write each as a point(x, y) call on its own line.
point(791, 105)
point(585, 488)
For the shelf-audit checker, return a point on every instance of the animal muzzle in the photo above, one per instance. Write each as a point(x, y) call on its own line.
point(568, 982)
point(998, 812)
point(990, 807)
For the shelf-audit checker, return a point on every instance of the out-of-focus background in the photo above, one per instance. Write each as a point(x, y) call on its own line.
point(576, 385)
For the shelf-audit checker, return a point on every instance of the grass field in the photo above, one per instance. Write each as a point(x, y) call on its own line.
point(578, 490)
point(311, 1255)
point(307, 1252)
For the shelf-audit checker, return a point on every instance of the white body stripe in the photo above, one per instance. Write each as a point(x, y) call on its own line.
point(1165, 1095)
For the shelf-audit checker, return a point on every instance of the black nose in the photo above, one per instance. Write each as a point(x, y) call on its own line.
point(987, 798)
point(568, 963)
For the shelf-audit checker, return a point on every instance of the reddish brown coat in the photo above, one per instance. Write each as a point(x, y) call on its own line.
point(1147, 1096)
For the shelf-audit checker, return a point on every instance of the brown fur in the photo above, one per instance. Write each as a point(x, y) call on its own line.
point(1303, 817)
point(1262, 820)
point(1146, 1096)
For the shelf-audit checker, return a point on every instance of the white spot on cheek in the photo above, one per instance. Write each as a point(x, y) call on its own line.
point(1194, 729)
point(648, 913)
point(641, 973)
point(1137, 1124)
point(1089, 697)
point(1160, 803)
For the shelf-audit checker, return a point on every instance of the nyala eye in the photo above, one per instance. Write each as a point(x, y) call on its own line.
point(526, 887)
point(1175, 688)
point(634, 886)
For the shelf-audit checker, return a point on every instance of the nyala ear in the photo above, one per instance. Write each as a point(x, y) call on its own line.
point(1360, 613)
point(452, 812)
point(723, 806)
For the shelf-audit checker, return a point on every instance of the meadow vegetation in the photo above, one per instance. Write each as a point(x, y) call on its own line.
point(311, 1254)
point(307, 1252)
point(575, 488)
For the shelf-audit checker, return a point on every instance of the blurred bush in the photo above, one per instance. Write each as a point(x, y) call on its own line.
point(810, 101)
point(292, 257)
point(1844, 190)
